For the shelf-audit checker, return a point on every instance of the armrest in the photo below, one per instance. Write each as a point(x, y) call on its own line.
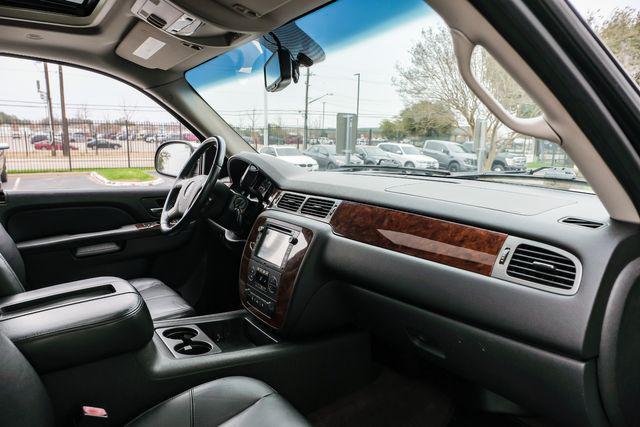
point(75, 323)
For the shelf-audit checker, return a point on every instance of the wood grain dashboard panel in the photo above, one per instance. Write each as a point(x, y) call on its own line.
point(288, 275)
point(456, 245)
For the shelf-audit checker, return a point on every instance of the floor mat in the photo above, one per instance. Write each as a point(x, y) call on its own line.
point(390, 400)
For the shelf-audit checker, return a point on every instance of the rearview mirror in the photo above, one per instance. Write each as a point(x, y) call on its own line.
point(277, 71)
point(171, 157)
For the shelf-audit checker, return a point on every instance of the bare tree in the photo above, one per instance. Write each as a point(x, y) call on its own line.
point(432, 75)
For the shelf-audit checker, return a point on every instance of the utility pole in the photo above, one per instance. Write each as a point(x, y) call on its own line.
point(52, 139)
point(357, 104)
point(323, 104)
point(305, 135)
point(265, 132)
point(66, 150)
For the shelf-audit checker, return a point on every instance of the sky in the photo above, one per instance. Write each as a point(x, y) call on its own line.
point(375, 56)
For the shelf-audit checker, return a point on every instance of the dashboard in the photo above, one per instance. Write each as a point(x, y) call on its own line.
point(505, 285)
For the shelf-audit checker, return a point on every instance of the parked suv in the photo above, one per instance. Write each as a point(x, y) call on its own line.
point(375, 156)
point(327, 157)
point(450, 155)
point(409, 156)
point(503, 161)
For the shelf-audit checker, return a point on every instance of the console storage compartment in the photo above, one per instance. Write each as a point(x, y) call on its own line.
point(75, 323)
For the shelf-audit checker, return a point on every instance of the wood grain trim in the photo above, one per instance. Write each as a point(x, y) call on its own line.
point(288, 275)
point(456, 245)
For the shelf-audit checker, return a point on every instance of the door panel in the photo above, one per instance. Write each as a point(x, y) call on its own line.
point(71, 235)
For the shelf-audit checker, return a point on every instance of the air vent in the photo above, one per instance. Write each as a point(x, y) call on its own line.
point(581, 222)
point(542, 266)
point(291, 202)
point(317, 207)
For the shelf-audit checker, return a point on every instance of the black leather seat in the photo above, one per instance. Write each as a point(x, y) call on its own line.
point(237, 401)
point(162, 301)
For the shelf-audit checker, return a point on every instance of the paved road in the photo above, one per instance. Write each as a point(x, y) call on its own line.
point(61, 181)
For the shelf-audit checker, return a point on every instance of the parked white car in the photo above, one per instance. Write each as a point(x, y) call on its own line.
point(409, 155)
point(291, 155)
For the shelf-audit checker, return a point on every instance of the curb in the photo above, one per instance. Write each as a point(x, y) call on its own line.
point(102, 180)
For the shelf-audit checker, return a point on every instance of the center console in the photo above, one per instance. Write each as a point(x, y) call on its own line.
point(76, 323)
point(269, 268)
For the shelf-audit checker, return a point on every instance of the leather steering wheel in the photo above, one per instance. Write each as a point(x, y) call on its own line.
point(190, 194)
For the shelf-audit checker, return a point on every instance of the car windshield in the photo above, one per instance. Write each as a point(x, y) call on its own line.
point(331, 149)
point(410, 149)
point(374, 151)
point(407, 93)
point(287, 151)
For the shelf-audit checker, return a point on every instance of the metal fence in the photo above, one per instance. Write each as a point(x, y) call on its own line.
point(130, 144)
point(92, 144)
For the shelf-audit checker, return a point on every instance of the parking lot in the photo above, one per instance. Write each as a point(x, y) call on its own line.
point(62, 181)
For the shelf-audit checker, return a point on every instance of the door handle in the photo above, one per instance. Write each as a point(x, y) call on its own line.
point(97, 249)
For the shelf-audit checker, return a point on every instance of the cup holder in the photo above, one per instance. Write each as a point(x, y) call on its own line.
point(193, 348)
point(180, 333)
point(187, 341)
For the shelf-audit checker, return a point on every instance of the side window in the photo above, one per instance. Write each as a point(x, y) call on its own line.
point(385, 147)
point(104, 137)
point(396, 149)
point(323, 151)
point(430, 145)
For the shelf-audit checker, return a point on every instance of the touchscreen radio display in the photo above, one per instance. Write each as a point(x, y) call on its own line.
point(273, 247)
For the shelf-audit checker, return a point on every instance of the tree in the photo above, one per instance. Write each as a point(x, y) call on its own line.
point(432, 75)
point(8, 118)
point(621, 33)
point(422, 119)
point(425, 118)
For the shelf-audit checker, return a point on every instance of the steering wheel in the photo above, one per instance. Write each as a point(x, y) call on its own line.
point(190, 194)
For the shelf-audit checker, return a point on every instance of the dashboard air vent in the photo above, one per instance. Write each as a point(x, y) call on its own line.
point(581, 222)
point(542, 266)
point(290, 202)
point(317, 207)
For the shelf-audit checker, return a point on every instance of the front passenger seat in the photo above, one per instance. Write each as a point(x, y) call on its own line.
point(237, 401)
point(162, 301)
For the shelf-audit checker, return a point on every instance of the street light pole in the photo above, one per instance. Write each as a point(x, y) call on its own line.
point(323, 104)
point(305, 135)
point(357, 103)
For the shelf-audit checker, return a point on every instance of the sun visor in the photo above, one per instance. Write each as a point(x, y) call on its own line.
point(152, 48)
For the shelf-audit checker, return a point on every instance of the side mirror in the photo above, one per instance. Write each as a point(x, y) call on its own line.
point(445, 151)
point(171, 157)
point(277, 70)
